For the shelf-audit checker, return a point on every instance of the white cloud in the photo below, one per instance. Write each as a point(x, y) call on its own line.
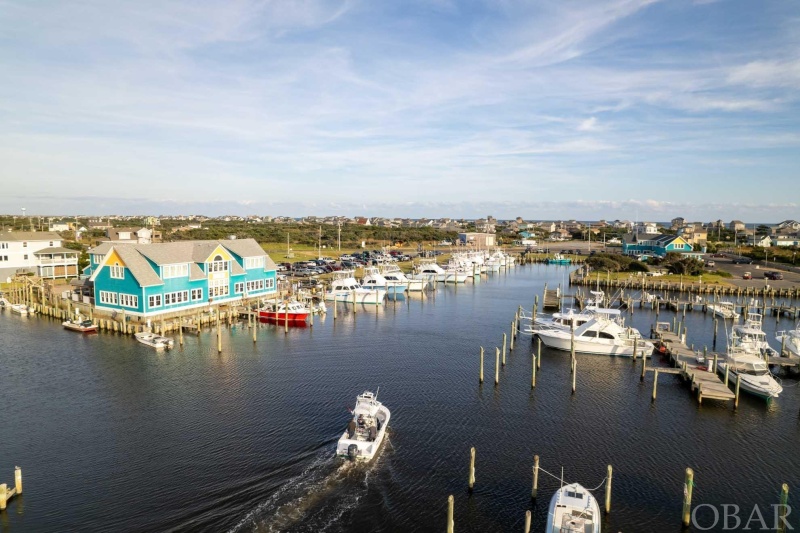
point(590, 124)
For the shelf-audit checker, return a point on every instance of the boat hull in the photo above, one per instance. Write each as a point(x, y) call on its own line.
point(273, 316)
point(78, 328)
point(562, 341)
point(373, 297)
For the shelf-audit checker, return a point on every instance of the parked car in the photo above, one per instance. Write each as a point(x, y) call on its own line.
point(773, 275)
point(711, 264)
point(747, 275)
point(742, 261)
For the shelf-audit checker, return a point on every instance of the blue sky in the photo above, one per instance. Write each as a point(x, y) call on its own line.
point(553, 109)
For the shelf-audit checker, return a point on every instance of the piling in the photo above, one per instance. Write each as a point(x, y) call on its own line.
point(504, 349)
point(688, 484)
point(527, 522)
point(736, 396)
point(655, 384)
point(255, 329)
point(180, 333)
point(714, 370)
point(18, 480)
point(533, 376)
point(450, 524)
point(727, 368)
point(608, 490)
point(3, 496)
point(480, 376)
point(538, 353)
point(496, 366)
point(471, 468)
point(782, 509)
point(286, 319)
point(714, 343)
point(513, 330)
point(644, 364)
point(219, 335)
point(535, 489)
point(574, 373)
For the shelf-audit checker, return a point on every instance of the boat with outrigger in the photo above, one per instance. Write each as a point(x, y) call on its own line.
point(366, 430)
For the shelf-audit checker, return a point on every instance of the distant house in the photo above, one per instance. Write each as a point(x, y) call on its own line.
point(36, 252)
point(130, 235)
point(648, 228)
point(785, 240)
point(478, 240)
point(657, 245)
point(153, 279)
point(99, 223)
point(762, 241)
point(736, 225)
point(694, 234)
point(677, 223)
point(792, 225)
point(363, 221)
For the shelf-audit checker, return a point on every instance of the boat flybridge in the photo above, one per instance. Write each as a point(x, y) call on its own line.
point(366, 431)
point(573, 509)
point(345, 288)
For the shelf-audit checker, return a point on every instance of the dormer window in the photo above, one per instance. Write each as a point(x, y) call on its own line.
point(218, 265)
point(117, 272)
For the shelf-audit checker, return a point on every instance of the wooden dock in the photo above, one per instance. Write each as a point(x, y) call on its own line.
point(704, 380)
point(552, 299)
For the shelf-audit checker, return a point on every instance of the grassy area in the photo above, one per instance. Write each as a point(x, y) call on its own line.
point(707, 279)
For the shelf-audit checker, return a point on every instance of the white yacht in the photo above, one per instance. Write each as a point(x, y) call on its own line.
point(428, 270)
point(397, 278)
point(573, 509)
point(364, 434)
point(753, 372)
point(345, 288)
point(750, 337)
point(790, 340)
point(724, 309)
point(456, 272)
point(601, 335)
point(19, 309)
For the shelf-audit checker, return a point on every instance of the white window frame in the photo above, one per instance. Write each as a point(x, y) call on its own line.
point(218, 288)
point(128, 300)
point(108, 297)
point(175, 271)
point(154, 301)
point(253, 262)
point(269, 283)
point(116, 271)
point(176, 298)
point(197, 294)
point(238, 287)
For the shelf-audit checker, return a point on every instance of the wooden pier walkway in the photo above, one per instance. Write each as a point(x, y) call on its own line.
point(704, 380)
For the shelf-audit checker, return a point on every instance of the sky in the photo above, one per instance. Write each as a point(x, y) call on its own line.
point(544, 109)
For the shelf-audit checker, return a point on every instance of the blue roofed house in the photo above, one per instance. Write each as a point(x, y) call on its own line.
point(152, 279)
point(655, 245)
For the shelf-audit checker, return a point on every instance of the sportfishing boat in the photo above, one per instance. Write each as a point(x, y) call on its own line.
point(558, 259)
point(82, 326)
point(753, 371)
point(601, 335)
point(790, 340)
point(724, 309)
point(428, 270)
point(751, 338)
point(374, 279)
point(345, 288)
point(153, 340)
point(293, 312)
point(573, 509)
point(367, 429)
point(397, 278)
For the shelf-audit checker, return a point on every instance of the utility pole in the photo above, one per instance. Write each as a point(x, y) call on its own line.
point(339, 225)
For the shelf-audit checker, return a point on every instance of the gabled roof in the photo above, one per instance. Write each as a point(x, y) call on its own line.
point(55, 250)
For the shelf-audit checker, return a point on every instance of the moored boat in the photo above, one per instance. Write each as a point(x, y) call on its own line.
point(292, 312)
point(724, 309)
point(790, 340)
point(366, 431)
point(153, 340)
point(559, 259)
point(751, 372)
point(20, 309)
point(345, 288)
point(81, 326)
point(573, 509)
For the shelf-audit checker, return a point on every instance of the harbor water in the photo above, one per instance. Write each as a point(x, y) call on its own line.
point(114, 436)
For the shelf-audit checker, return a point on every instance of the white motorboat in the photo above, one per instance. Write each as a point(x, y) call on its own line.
point(153, 340)
point(599, 336)
point(790, 340)
point(345, 288)
point(19, 309)
point(573, 509)
point(81, 326)
point(724, 309)
point(429, 271)
point(374, 278)
point(366, 431)
point(753, 371)
point(750, 337)
point(397, 278)
point(455, 272)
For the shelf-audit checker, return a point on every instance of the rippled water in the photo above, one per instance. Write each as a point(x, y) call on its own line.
point(113, 436)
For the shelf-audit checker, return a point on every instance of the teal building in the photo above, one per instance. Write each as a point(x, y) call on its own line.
point(148, 280)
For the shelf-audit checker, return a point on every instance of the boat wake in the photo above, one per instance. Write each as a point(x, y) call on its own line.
point(314, 500)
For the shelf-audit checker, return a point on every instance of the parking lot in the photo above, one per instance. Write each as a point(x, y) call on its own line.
point(727, 264)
